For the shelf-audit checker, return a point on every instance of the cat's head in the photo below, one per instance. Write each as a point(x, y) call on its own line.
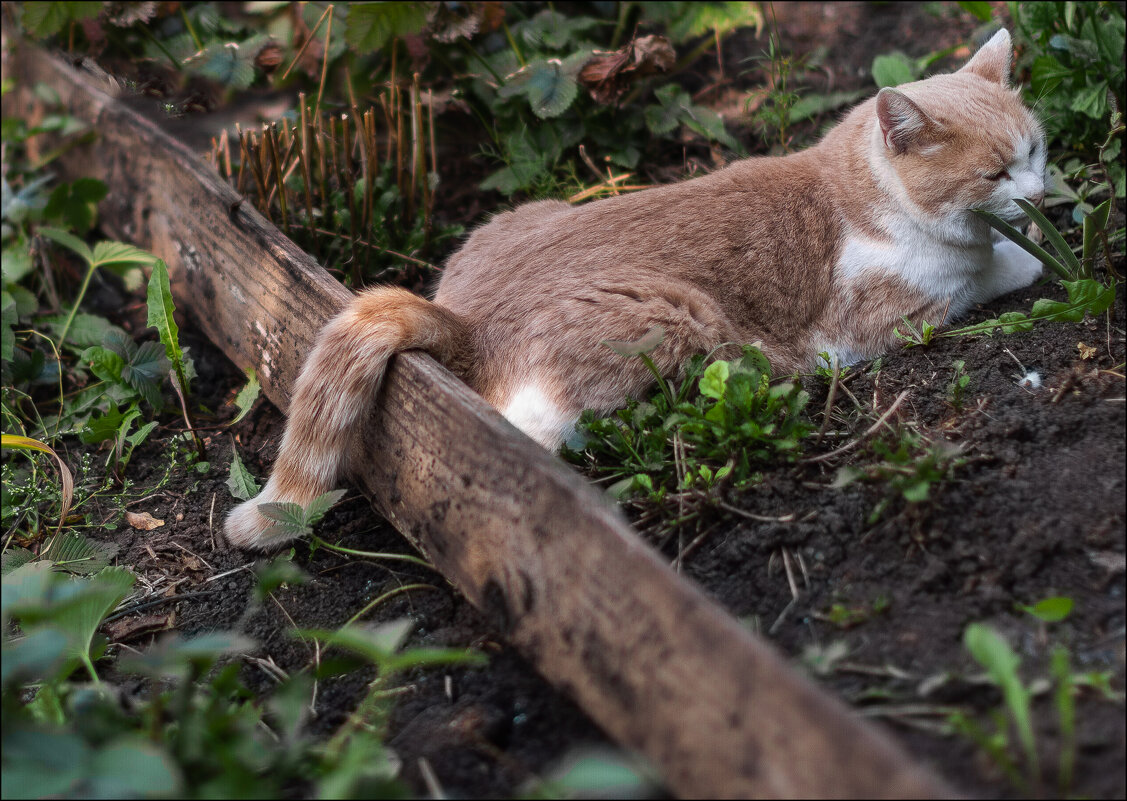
point(964, 140)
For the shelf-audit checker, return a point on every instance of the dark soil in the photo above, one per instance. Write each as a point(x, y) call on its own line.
point(1036, 509)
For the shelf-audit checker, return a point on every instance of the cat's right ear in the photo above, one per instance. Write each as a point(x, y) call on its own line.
point(992, 61)
point(902, 122)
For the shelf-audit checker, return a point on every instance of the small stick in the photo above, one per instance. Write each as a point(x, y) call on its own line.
point(306, 172)
point(868, 433)
point(830, 398)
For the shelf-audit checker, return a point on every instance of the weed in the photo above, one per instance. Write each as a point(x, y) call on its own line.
point(1074, 53)
point(679, 439)
point(907, 465)
point(993, 653)
point(198, 731)
point(293, 520)
point(957, 386)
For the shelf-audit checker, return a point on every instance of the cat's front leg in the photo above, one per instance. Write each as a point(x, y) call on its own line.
point(1011, 267)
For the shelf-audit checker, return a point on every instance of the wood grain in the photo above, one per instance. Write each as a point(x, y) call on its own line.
point(649, 657)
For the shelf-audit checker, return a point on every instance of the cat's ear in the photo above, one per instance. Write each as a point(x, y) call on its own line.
point(992, 61)
point(902, 123)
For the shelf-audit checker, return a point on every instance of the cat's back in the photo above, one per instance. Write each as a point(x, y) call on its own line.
point(758, 219)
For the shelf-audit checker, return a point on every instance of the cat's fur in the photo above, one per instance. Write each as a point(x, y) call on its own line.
point(822, 250)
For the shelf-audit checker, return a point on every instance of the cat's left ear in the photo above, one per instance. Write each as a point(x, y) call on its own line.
point(992, 61)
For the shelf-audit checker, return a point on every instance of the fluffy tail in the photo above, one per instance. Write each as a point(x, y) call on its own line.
point(336, 388)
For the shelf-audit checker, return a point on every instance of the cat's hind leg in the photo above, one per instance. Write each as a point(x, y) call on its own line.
point(562, 364)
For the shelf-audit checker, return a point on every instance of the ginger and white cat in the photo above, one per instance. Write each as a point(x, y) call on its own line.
point(822, 250)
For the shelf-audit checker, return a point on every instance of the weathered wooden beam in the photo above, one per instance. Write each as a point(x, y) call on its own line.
point(654, 662)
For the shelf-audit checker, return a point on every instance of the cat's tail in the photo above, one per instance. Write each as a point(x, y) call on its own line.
point(335, 390)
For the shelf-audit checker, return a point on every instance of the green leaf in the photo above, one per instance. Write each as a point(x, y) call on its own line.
point(321, 504)
point(372, 25)
point(1095, 222)
point(224, 62)
point(546, 85)
point(991, 651)
point(893, 69)
point(1052, 234)
point(239, 481)
point(132, 767)
point(161, 309)
point(244, 401)
point(981, 10)
point(76, 204)
point(1091, 100)
point(86, 330)
point(79, 619)
point(75, 553)
point(1050, 610)
point(1024, 242)
point(714, 380)
point(108, 253)
point(69, 241)
point(16, 263)
point(287, 513)
point(47, 18)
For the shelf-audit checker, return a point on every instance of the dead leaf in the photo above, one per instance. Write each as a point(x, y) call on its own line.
point(142, 521)
point(132, 627)
point(1086, 351)
point(608, 76)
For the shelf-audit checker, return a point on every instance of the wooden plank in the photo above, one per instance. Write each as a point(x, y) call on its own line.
point(659, 666)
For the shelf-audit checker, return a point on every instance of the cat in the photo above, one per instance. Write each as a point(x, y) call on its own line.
point(818, 251)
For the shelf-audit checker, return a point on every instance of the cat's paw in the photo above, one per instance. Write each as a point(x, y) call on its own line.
point(247, 528)
point(1012, 268)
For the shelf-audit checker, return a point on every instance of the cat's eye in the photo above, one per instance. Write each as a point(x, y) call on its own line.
point(998, 175)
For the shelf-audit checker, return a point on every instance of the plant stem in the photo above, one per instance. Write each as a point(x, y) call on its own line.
point(90, 268)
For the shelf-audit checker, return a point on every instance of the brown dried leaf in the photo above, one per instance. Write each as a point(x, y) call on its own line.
point(142, 521)
point(608, 76)
point(132, 627)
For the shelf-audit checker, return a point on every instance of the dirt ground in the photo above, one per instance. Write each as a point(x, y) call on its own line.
point(1036, 509)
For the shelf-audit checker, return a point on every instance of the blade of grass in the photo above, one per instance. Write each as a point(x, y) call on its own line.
point(1025, 243)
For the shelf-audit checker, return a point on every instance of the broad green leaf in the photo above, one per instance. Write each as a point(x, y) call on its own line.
point(69, 241)
point(714, 380)
point(74, 553)
point(321, 504)
point(1094, 223)
point(76, 204)
point(991, 651)
point(545, 84)
point(110, 253)
point(1091, 100)
point(161, 309)
point(173, 655)
point(552, 30)
point(286, 513)
point(86, 330)
point(1051, 610)
point(132, 767)
point(893, 69)
point(223, 62)
point(244, 401)
point(979, 9)
point(47, 18)
point(239, 481)
point(16, 263)
point(79, 619)
point(372, 25)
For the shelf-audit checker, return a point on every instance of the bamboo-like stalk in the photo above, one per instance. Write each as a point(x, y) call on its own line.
point(269, 134)
point(319, 143)
point(306, 172)
point(413, 101)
